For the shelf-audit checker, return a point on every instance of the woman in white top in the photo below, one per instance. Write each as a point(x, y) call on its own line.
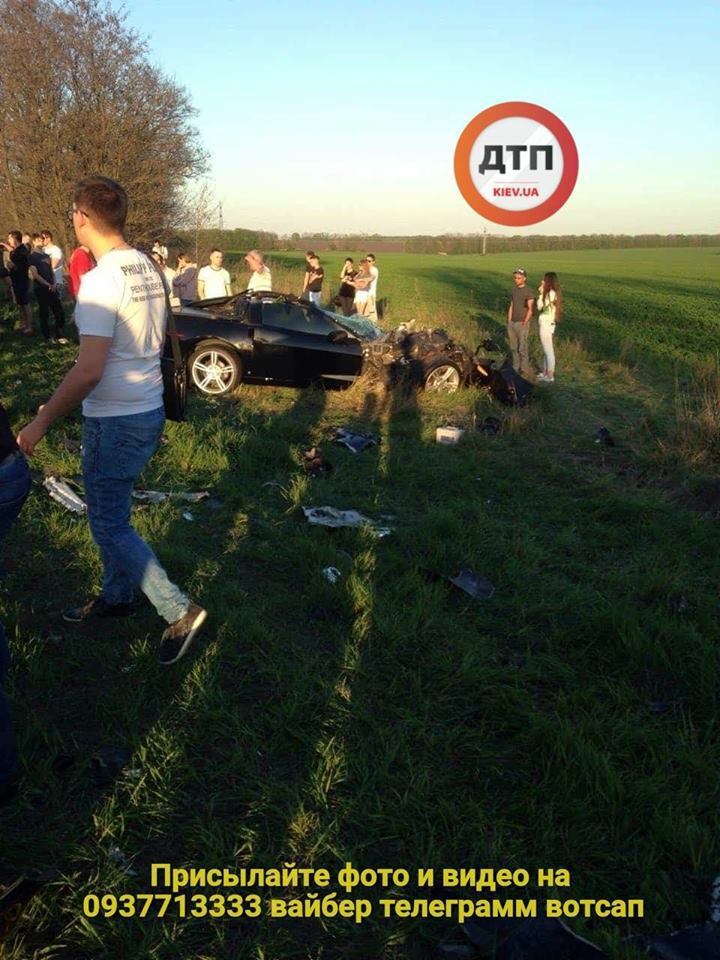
point(549, 303)
point(362, 283)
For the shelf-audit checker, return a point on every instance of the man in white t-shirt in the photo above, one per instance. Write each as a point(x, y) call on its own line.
point(120, 316)
point(213, 280)
point(57, 260)
point(372, 298)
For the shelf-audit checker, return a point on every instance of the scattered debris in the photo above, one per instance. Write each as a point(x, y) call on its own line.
point(61, 492)
point(315, 463)
point(333, 518)
point(491, 426)
point(491, 346)
point(356, 441)
point(332, 574)
point(214, 503)
point(121, 862)
point(187, 515)
point(272, 483)
point(158, 496)
point(603, 436)
point(467, 580)
point(108, 762)
point(448, 434)
point(72, 446)
point(473, 584)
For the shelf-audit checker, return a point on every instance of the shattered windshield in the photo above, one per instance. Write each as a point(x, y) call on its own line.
point(362, 327)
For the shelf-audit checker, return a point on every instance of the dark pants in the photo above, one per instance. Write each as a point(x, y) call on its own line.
point(48, 301)
point(518, 334)
point(14, 488)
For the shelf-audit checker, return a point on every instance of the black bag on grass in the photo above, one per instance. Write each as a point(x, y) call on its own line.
point(507, 386)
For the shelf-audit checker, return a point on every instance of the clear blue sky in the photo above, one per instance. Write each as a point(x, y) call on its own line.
point(344, 117)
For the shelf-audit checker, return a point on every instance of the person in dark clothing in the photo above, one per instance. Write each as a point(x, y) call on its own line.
point(43, 278)
point(14, 488)
point(315, 275)
point(347, 290)
point(18, 266)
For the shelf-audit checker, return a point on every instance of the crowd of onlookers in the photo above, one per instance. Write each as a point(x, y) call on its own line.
point(34, 261)
point(358, 287)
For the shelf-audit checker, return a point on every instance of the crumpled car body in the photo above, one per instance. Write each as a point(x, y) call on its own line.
point(278, 339)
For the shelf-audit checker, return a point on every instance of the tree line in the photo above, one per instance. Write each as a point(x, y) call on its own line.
point(80, 96)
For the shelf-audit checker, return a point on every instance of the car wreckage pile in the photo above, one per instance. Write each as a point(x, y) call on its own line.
point(434, 360)
point(277, 338)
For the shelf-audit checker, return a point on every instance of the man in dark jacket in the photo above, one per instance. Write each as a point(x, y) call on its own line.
point(46, 293)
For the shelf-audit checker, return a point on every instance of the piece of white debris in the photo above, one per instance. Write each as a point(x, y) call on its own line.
point(332, 517)
point(332, 574)
point(157, 496)
point(61, 492)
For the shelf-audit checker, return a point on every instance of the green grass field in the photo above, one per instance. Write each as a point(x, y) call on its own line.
point(569, 721)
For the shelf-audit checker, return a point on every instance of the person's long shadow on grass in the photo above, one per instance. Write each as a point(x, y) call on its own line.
point(212, 769)
point(105, 690)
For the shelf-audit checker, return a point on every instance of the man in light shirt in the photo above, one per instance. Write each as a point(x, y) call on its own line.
point(57, 260)
point(261, 278)
point(213, 280)
point(120, 316)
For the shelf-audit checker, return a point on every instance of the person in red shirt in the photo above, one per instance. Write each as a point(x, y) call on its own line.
point(81, 261)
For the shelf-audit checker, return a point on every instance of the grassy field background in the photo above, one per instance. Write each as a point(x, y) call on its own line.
point(569, 721)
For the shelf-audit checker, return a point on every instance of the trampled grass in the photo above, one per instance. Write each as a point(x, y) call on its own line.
point(569, 721)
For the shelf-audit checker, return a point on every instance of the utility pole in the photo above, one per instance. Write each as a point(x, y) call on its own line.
point(220, 216)
point(484, 240)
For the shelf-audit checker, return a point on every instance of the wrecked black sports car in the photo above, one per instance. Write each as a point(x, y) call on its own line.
point(276, 338)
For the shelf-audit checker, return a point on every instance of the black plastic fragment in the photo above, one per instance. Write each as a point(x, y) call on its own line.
point(530, 940)
point(472, 583)
point(603, 436)
point(701, 942)
point(108, 763)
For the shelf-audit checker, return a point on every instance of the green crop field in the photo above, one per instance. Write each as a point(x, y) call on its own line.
point(570, 721)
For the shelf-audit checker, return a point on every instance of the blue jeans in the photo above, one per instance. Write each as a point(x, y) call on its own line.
point(14, 487)
point(114, 452)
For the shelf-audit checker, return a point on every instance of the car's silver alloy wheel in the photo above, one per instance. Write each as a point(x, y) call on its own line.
point(214, 371)
point(443, 378)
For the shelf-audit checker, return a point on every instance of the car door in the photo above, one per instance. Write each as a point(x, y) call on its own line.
point(299, 344)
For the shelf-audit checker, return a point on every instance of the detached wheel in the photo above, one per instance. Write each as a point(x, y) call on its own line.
point(443, 377)
point(215, 369)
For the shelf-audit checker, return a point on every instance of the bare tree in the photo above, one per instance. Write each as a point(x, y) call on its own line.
point(199, 211)
point(80, 96)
